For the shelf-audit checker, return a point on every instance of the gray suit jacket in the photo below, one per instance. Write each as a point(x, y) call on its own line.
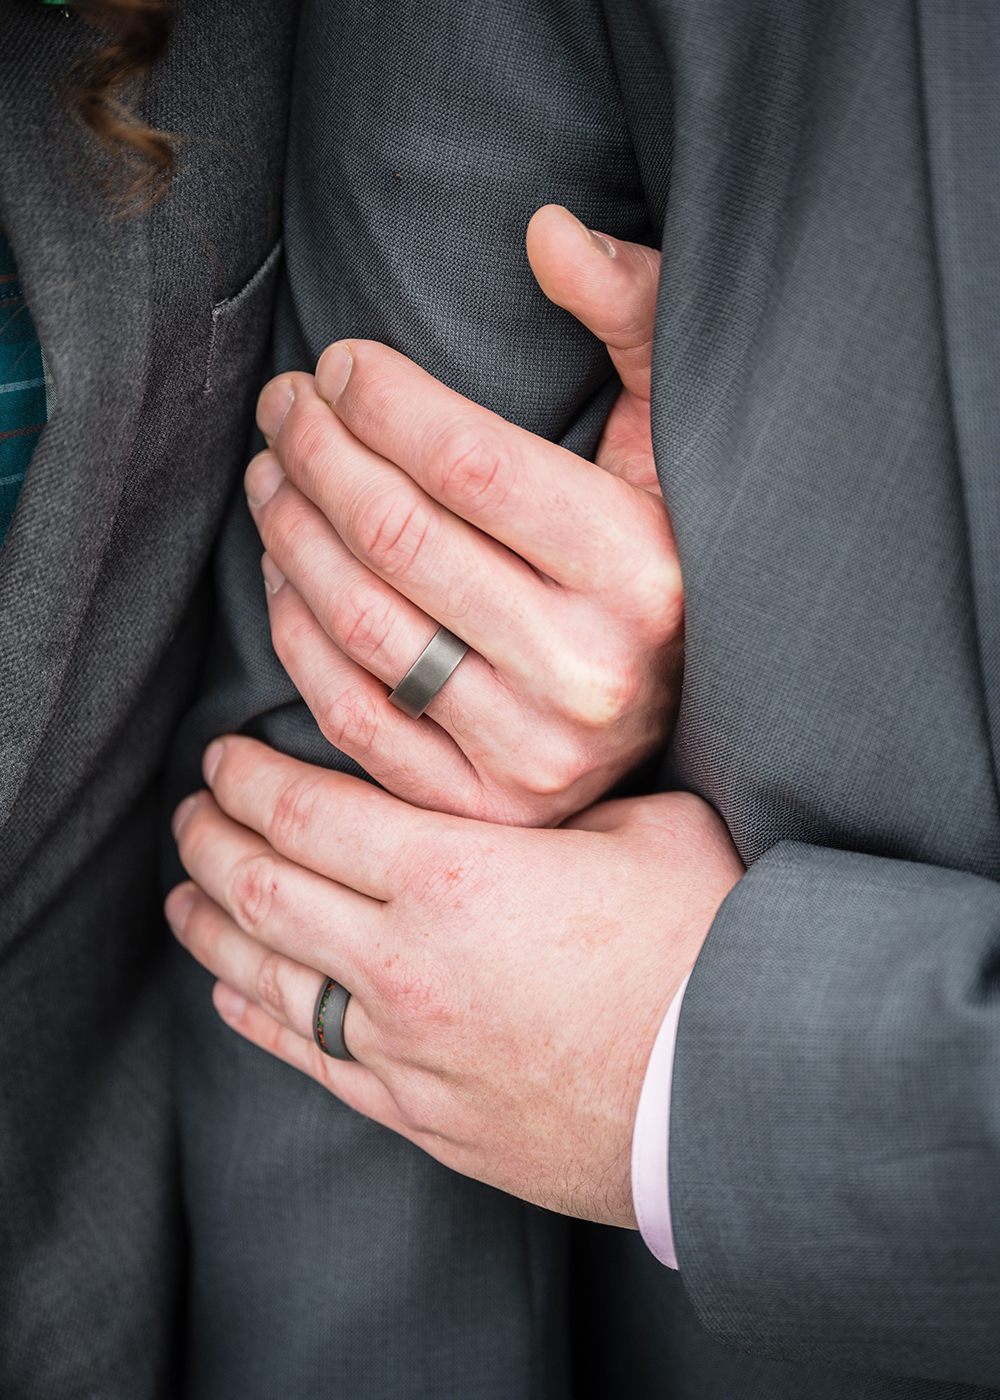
point(825, 415)
point(828, 422)
point(155, 331)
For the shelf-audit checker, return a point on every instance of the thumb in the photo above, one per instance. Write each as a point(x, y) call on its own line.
point(604, 282)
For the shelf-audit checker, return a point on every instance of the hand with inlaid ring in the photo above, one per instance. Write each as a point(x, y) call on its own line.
point(506, 985)
point(389, 504)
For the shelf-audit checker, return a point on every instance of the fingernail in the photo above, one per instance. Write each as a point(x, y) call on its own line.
point(183, 812)
point(275, 400)
point(273, 577)
point(333, 371)
point(177, 905)
point(229, 1003)
point(603, 242)
point(263, 477)
point(210, 762)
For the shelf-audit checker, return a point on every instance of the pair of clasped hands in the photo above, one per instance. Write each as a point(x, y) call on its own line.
point(510, 948)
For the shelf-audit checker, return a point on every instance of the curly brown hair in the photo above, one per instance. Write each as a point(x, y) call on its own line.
point(103, 88)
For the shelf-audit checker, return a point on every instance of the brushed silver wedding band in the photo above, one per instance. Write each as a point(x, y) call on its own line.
point(428, 673)
point(331, 1004)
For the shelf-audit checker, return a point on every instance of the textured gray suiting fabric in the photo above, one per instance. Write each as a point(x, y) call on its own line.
point(102, 637)
point(338, 1259)
point(825, 415)
point(827, 334)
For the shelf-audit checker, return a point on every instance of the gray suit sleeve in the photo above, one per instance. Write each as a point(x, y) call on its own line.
point(422, 140)
point(835, 1130)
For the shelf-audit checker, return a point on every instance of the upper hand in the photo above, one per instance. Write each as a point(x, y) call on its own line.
point(507, 984)
point(391, 504)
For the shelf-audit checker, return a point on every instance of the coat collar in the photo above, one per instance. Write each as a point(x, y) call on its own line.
point(88, 283)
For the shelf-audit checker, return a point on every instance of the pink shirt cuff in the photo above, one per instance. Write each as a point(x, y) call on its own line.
point(651, 1140)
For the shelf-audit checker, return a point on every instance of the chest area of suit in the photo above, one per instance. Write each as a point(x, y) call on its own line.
point(833, 685)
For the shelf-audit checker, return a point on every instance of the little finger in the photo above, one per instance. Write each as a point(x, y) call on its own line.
point(285, 989)
point(354, 1084)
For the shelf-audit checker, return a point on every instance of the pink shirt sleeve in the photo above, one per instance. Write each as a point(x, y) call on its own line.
point(651, 1138)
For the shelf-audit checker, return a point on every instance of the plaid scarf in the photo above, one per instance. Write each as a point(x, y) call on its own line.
point(23, 402)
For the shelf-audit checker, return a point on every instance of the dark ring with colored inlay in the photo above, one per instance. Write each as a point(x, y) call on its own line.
point(331, 1002)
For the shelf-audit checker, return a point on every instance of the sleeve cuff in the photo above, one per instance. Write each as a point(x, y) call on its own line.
point(651, 1139)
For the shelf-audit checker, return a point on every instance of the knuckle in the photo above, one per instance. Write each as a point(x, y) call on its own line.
point(561, 763)
point(664, 572)
point(363, 622)
point(698, 816)
point(292, 631)
point(474, 468)
point(426, 1006)
point(540, 809)
point(550, 777)
point(656, 586)
point(597, 696)
point(293, 812)
point(412, 1116)
point(350, 720)
point(289, 520)
point(506, 800)
point(268, 987)
point(305, 444)
point(253, 890)
point(662, 601)
point(393, 531)
point(416, 1111)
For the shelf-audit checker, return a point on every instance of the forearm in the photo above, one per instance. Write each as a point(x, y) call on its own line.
point(413, 171)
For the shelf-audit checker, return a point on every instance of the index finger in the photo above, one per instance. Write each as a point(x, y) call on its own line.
point(564, 515)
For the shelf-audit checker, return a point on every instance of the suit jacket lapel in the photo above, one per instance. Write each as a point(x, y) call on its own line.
point(960, 43)
point(87, 280)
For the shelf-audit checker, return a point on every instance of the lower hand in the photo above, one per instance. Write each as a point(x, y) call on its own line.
point(389, 504)
point(507, 984)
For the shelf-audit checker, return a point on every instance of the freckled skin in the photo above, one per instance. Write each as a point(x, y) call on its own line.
point(528, 1083)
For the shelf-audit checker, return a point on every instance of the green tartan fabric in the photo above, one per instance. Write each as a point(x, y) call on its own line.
point(23, 404)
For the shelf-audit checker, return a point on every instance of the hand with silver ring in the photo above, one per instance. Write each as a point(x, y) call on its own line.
point(392, 508)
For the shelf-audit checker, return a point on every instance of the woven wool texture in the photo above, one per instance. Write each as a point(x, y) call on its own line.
point(834, 707)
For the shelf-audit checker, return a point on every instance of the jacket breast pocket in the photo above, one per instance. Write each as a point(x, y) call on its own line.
point(241, 324)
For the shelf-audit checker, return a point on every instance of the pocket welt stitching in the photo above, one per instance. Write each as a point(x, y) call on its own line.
point(222, 310)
